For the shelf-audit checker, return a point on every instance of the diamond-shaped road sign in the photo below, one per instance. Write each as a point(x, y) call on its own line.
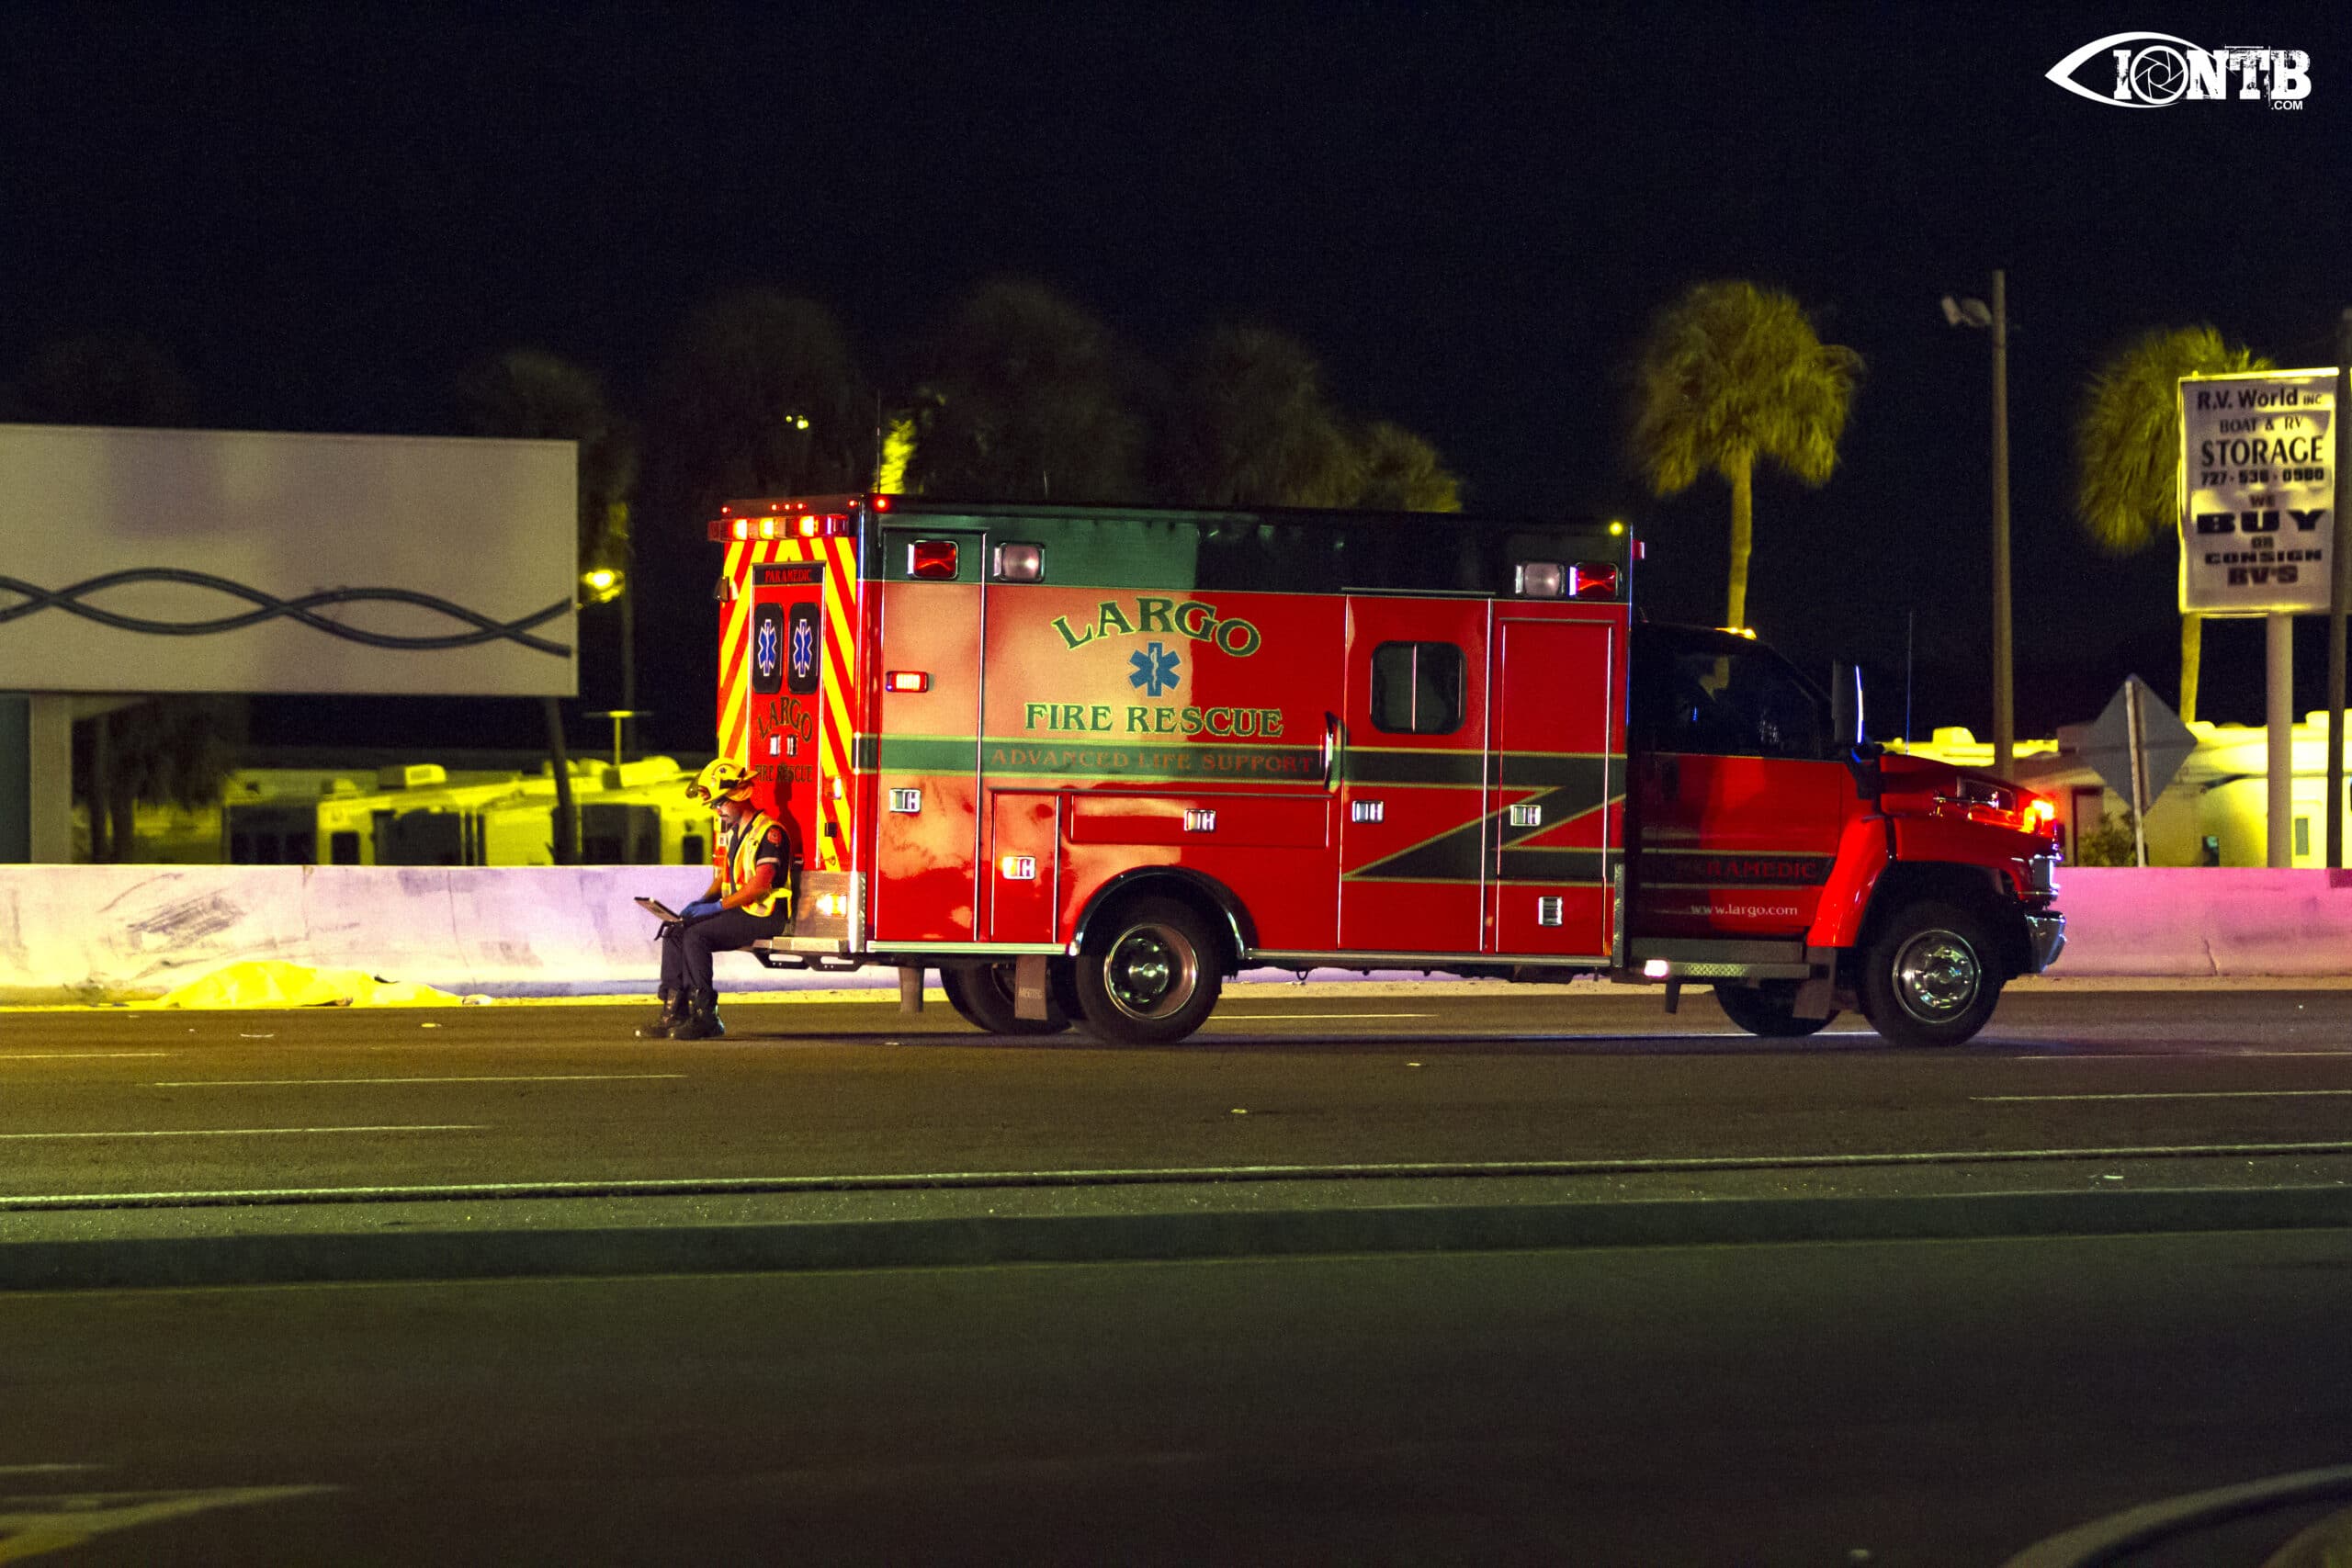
point(2105, 743)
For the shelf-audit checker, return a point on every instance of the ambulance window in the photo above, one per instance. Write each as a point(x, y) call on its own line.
point(1417, 688)
point(1727, 702)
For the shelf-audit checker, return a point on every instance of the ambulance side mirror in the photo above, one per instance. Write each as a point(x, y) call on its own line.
point(1845, 708)
point(1846, 742)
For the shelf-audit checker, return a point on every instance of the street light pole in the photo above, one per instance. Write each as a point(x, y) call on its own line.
point(2004, 728)
point(629, 663)
point(2340, 600)
point(1974, 313)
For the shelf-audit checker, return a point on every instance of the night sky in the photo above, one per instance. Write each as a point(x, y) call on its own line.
point(1468, 211)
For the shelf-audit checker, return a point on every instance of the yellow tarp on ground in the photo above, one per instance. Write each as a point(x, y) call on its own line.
point(272, 983)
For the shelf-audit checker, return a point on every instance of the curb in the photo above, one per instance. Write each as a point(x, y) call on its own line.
point(511, 1252)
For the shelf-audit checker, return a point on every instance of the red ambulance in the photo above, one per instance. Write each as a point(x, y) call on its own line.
point(1086, 762)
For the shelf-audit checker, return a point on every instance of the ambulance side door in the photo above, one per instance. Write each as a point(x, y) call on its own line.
point(1739, 800)
point(1558, 772)
point(1413, 841)
point(927, 753)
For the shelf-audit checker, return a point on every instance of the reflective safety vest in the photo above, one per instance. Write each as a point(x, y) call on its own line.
point(742, 849)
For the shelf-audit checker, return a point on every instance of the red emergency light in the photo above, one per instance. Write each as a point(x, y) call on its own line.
point(933, 559)
point(907, 680)
point(1592, 579)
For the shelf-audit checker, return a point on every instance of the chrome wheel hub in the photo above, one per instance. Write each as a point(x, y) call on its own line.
point(1150, 972)
point(1936, 977)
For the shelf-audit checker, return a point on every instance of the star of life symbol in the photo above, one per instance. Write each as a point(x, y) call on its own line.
point(765, 650)
point(1155, 670)
point(804, 649)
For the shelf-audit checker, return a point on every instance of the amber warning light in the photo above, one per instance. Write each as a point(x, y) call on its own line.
point(811, 525)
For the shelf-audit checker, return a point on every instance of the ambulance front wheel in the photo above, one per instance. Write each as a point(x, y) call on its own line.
point(1932, 978)
point(982, 993)
point(1153, 977)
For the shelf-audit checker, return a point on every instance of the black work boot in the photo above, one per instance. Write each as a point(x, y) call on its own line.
point(673, 1013)
point(702, 1019)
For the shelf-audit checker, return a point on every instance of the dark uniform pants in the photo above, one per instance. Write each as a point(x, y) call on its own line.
point(687, 948)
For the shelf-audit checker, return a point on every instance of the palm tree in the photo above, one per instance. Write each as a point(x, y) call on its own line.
point(526, 394)
point(1729, 373)
point(758, 395)
point(1403, 473)
point(2128, 445)
point(1027, 395)
point(108, 379)
point(1252, 427)
point(170, 750)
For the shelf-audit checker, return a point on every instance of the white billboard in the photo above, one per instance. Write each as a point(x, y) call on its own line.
point(184, 560)
point(2257, 491)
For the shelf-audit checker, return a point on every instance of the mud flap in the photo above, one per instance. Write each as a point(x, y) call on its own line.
point(1029, 987)
point(909, 990)
point(1817, 997)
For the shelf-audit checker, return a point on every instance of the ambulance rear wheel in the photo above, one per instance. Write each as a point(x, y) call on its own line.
point(1768, 1009)
point(1153, 979)
point(1932, 978)
point(982, 993)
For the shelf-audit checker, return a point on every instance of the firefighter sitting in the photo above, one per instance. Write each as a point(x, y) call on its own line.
point(750, 897)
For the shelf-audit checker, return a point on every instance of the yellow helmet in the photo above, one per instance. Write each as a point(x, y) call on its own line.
point(723, 777)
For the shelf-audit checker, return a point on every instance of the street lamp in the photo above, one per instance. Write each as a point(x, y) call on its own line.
point(1996, 318)
point(606, 583)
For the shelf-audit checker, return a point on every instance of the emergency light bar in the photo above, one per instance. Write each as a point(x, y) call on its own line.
point(809, 526)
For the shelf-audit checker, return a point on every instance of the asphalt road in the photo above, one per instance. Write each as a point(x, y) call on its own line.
point(1869, 1405)
point(118, 1102)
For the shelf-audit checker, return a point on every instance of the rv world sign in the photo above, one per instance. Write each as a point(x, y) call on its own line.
point(2257, 491)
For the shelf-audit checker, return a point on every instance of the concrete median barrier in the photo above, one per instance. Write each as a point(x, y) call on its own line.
point(2171, 921)
point(110, 933)
point(131, 933)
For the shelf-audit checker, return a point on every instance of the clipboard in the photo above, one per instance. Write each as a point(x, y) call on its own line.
point(657, 909)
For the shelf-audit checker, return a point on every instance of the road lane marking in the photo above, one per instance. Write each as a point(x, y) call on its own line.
point(1301, 1016)
point(2180, 1094)
point(35, 1527)
point(518, 1078)
point(76, 1056)
point(2173, 1055)
point(241, 1132)
point(735, 1185)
